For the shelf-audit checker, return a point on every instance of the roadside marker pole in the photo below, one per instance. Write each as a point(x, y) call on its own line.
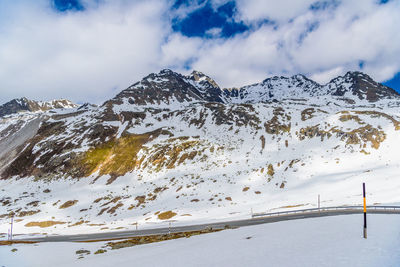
point(11, 231)
point(365, 213)
point(319, 205)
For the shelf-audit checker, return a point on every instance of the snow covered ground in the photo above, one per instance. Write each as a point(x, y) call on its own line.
point(327, 241)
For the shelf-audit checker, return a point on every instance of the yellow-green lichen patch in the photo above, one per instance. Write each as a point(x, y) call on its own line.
point(116, 157)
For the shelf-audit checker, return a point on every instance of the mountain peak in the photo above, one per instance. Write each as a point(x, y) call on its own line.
point(356, 73)
point(166, 71)
point(203, 79)
point(361, 85)
point(198, 75)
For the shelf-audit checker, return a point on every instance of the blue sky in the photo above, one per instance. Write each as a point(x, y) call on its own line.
point(201, 21)
point(89, 50)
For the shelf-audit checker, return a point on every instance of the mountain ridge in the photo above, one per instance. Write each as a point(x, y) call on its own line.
point(167, 87)
point(23, 104)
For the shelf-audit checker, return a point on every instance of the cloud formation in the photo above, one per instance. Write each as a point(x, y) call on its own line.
point(92, 53)
point(84, 56)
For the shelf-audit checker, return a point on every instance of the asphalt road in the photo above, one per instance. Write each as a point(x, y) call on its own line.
point(217, 225)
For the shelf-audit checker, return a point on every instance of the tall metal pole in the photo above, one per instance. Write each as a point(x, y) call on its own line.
point(365, 212)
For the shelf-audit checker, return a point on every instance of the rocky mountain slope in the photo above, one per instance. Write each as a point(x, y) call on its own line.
point(179, 147)
point(26, 105)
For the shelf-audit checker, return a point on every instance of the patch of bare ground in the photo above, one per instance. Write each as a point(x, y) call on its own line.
point(113, 209)
point(376, 114)
point(141, 240)
point(166, 215)
point(102, 211)
point(100, 251)
point(82, 252)
point(68, 204)
point(8, 242)
point(291, 206)
point(271, 171)
point(307, 114)
point(98, 200)
point(246, 189)
point(114, 200)
point(140, 200)
point(78, 223)
point(43, 224)
point(33, 203)
point(27, 213)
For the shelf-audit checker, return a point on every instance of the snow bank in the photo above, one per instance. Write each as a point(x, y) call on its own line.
point(328, 241)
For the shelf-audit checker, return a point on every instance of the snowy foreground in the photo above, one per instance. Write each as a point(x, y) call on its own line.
point(327, 241)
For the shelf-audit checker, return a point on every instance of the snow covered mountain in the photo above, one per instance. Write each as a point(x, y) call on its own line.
point(179, 146)
point(26, 105)
point(168, 87)
point(352, 86)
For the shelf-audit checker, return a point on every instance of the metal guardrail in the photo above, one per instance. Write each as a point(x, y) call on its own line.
point(343, 208)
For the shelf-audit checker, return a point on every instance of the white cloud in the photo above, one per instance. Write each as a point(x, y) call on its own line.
point(324, 77)
point(92, 55)
point(80, 55)
point(178, 50)
point(280, 11)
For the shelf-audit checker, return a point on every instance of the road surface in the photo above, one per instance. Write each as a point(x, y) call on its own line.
point(256, 219)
